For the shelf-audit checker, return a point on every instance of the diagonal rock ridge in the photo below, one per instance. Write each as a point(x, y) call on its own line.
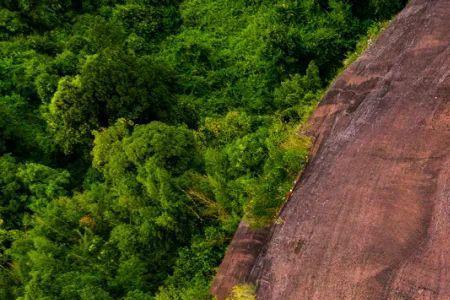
point(370, 217)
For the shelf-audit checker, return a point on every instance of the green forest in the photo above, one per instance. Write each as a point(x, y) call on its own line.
point(136, 134)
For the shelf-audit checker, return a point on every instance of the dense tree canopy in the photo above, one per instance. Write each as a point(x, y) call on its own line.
point(136, 134)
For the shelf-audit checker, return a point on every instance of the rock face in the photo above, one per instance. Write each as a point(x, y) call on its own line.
point(242, 253)
point(370, 217)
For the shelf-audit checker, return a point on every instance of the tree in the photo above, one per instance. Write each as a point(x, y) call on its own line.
point(24, 189)
point(100, 239)
point(112, 84)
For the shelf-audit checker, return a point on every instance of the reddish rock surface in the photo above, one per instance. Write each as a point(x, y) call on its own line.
point(370, 218)
point(240, 259)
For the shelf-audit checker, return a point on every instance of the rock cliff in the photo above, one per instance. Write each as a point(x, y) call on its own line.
point(370, 216)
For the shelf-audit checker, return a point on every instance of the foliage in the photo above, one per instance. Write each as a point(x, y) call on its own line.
point(111, 84)
point(365, 42)
point(136, 134)
point(26, 188)
point(243, 292)
point(378, 9)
